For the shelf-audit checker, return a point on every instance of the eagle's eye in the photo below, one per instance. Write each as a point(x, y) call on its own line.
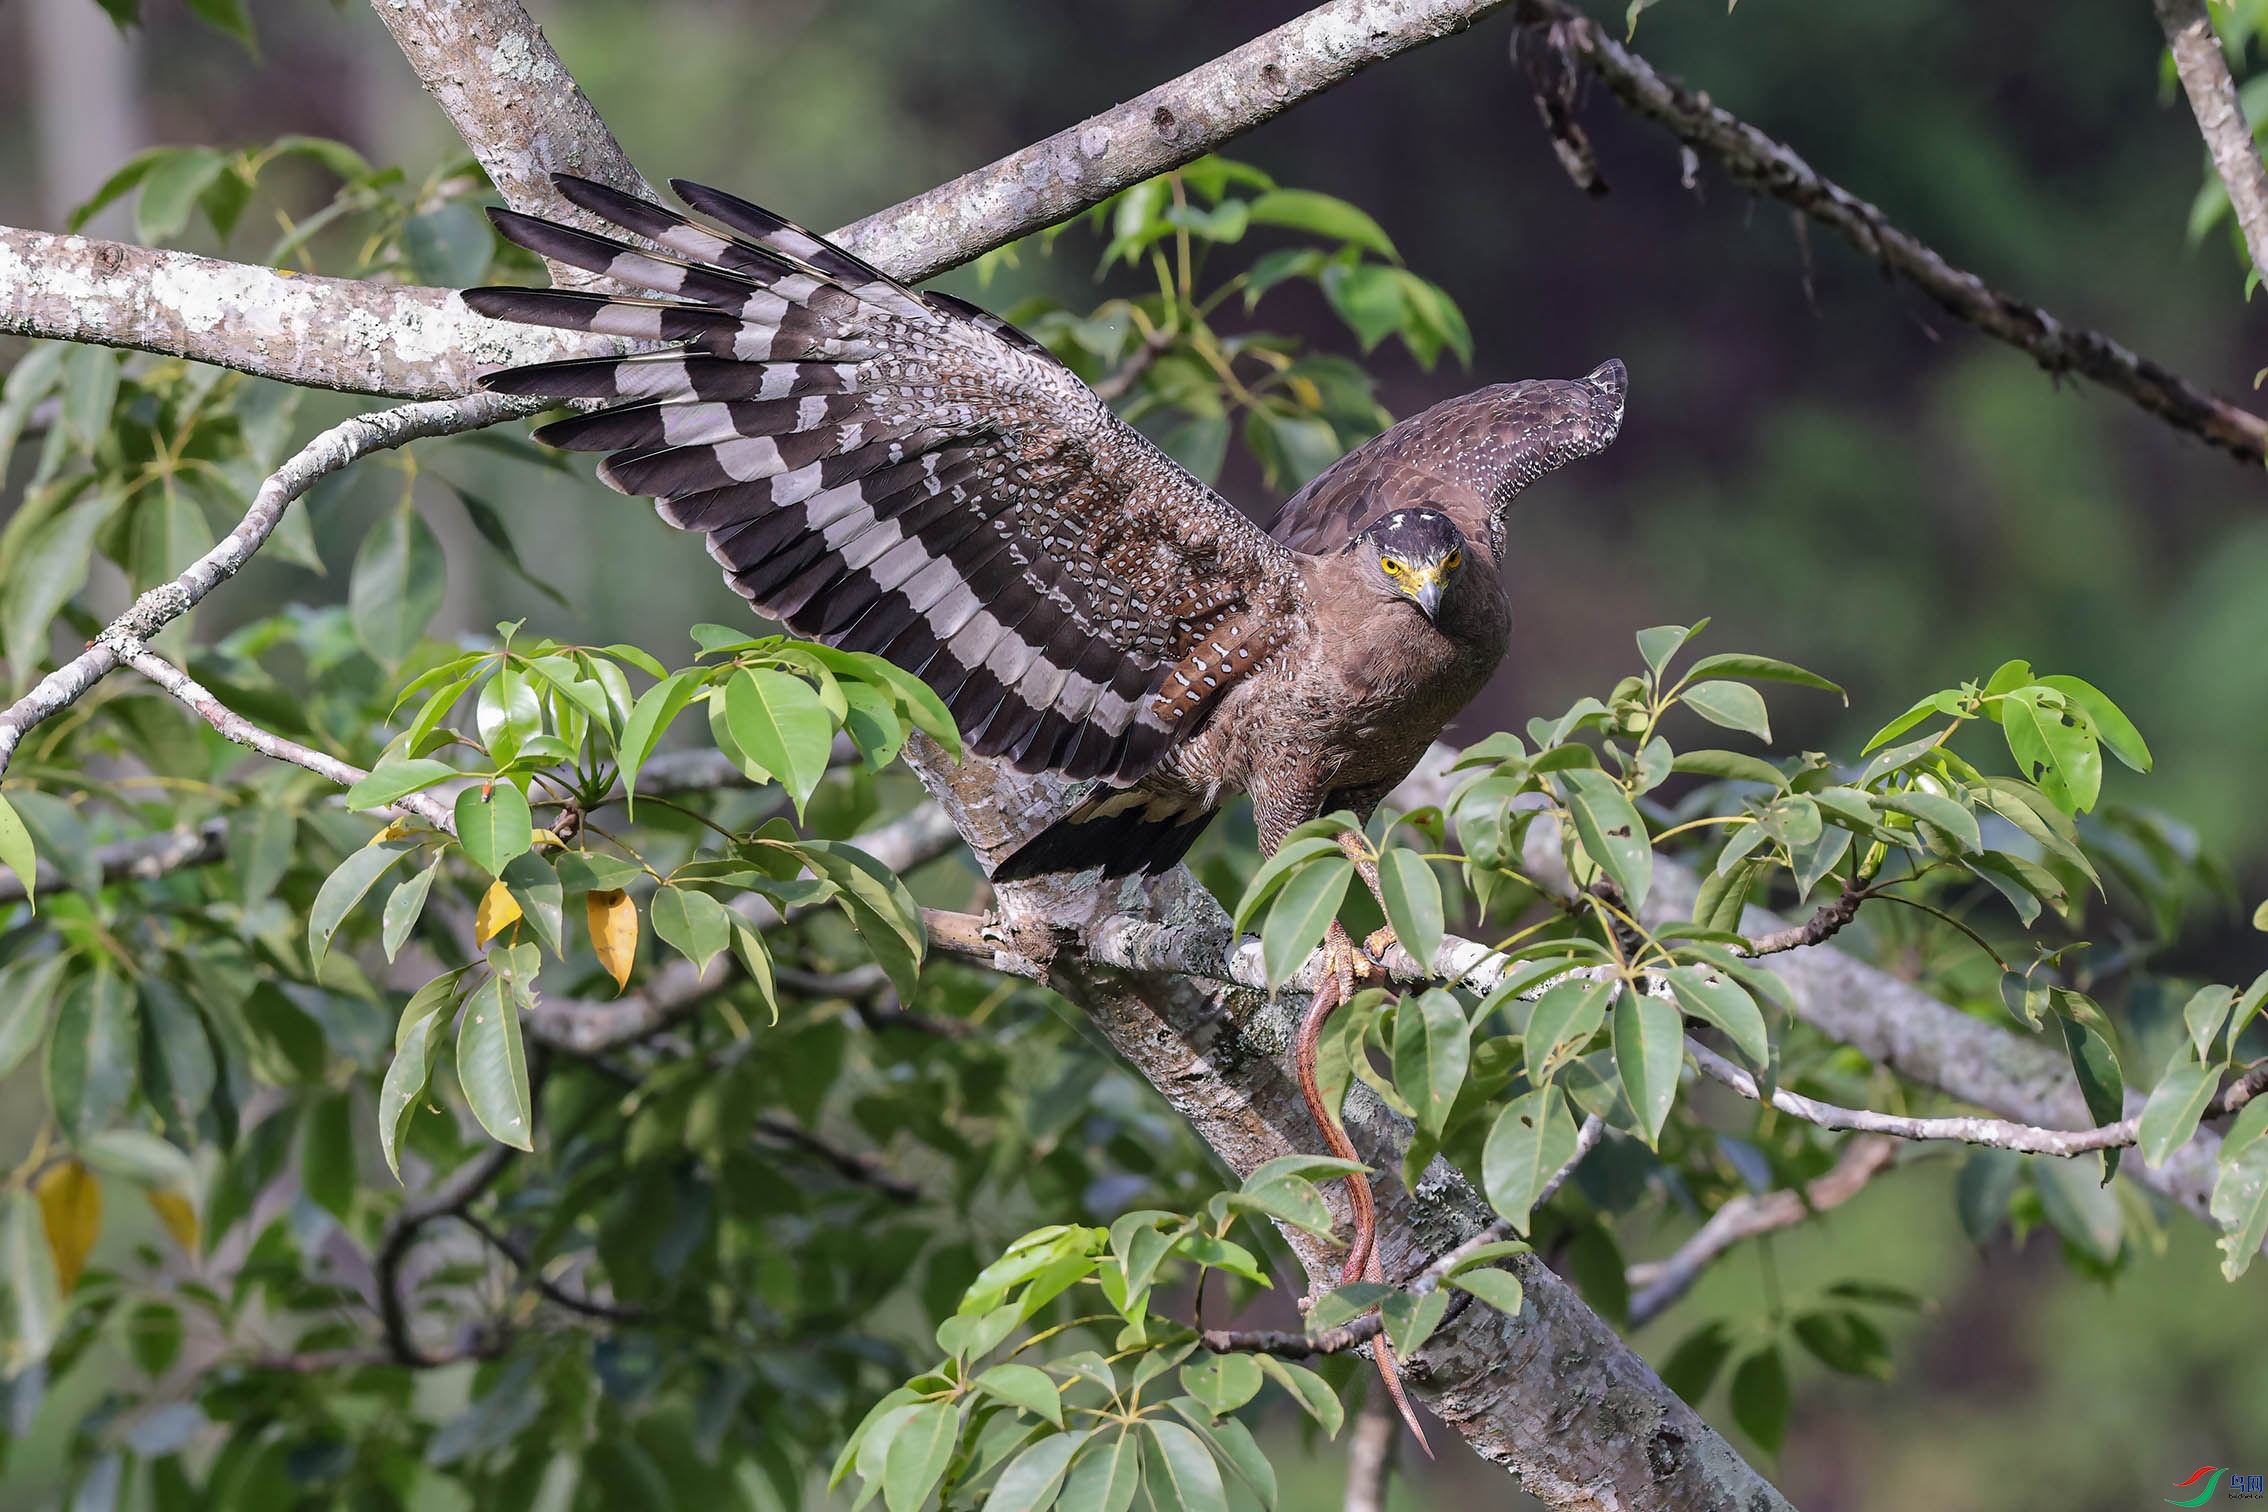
point(1391, 567)
point(1449, 563)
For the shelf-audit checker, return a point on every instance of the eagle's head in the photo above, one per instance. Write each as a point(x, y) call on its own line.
point(1413, 554)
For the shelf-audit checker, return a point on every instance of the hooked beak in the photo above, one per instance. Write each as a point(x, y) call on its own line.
point(1426, 592)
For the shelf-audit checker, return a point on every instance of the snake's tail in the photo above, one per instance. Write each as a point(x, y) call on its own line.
point(1362, 1262)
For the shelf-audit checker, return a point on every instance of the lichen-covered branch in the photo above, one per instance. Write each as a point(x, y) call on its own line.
point(2213, 100)
point(1770, 166)
point(1179, 120)
point(496, 77)
point(334, 333)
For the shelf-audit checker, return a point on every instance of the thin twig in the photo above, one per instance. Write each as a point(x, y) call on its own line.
point(1766, 164)
point(1657, 1284)
point(517, 1253)
point(244, 732)
point(453, 1196)
point(1820, 927)
point(1997, 1133)
point(154, 610)
point(865, 1170)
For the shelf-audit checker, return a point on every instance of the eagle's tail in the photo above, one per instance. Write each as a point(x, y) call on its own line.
point(1121, 830)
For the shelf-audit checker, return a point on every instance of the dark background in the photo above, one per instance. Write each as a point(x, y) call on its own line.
point(1814, 455)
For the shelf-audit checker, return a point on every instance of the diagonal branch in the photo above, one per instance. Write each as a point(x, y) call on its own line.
point(1657, 1285)
point(1770, 166)
point(162, 605)
point(2220, 116)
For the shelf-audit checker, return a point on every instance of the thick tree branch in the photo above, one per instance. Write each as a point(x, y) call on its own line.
point(1054, 180)
point(1770, 166)
point(495, 76)
point(1657, 1285)
point(2220, 117)
point(335, 333)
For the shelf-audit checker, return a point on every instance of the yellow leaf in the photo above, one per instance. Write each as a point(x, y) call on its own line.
point(70, 1207)
point(498, 912)
point(394, 830)
point(180, 1217)
point(614, 931)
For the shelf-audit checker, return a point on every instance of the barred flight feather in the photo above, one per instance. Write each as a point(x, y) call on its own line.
point(898, 473)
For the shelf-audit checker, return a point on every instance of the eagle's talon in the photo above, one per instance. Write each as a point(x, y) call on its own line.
point(1380, 941)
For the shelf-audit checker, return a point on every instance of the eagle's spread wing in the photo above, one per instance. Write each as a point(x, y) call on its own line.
point(906, 475)
point(1467, 457)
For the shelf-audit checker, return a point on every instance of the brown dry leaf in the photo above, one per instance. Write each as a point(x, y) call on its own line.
point(180, 1216)
point(614, 931)
point(498, 911)
point(70, 1208)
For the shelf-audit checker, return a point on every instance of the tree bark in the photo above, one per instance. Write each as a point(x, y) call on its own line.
point(2220, 117)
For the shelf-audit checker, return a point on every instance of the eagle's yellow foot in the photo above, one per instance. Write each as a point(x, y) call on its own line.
point(1380, 941)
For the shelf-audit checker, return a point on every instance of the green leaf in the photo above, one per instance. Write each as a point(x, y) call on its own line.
point(494, 827)
point(1844, 1341)
point(2240, 1206)
point(1302, 912)
point(535, 887)
point(1432, 1048)
point(1949, 816)
point(1692, 1367)
point(1106, 1473)
point(2175, 1106)
point(1321, 215)
point(398, 584)
point(1987, 1182)
point(2094, 1063)
point(1562, 1023)
point(2204, 1014)
point(395, 778)
point(1760, 1398)
point(1657, 645)
point(1413, 903)
point(170, 188)
point(1729, 764)
point(492, 1065)
point(2052, 750)
point(2110, 722)
point(878, 905)
point(1734, 705)
point(484, 516)
point(92, 1054)
point(1533, 1137)
point(1025, 1387)
point(417, 1044)
point(2248, 1126)
point(696, 925)
point(227, 16)
point(27, 996)
point(403, 906)
point(649, 719)
point(1308, 1389)
point(1612, 833)
point(780, 722)
point(1762, 668)
point(17, 853)
point(1223, 1382)
point(1718, 1000)
point(1296, 851)
point(1500, 1289)
point(2081, 1209)
point(1192, 1480)
point(1411, 1320)
point(1649, 1047)
point(343, 889)
point(326, 1154)
point(51, 569)
point(918, 1454)
point(1032, 1478)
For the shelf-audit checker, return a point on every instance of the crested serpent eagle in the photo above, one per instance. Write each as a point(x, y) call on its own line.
point(901, 473)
